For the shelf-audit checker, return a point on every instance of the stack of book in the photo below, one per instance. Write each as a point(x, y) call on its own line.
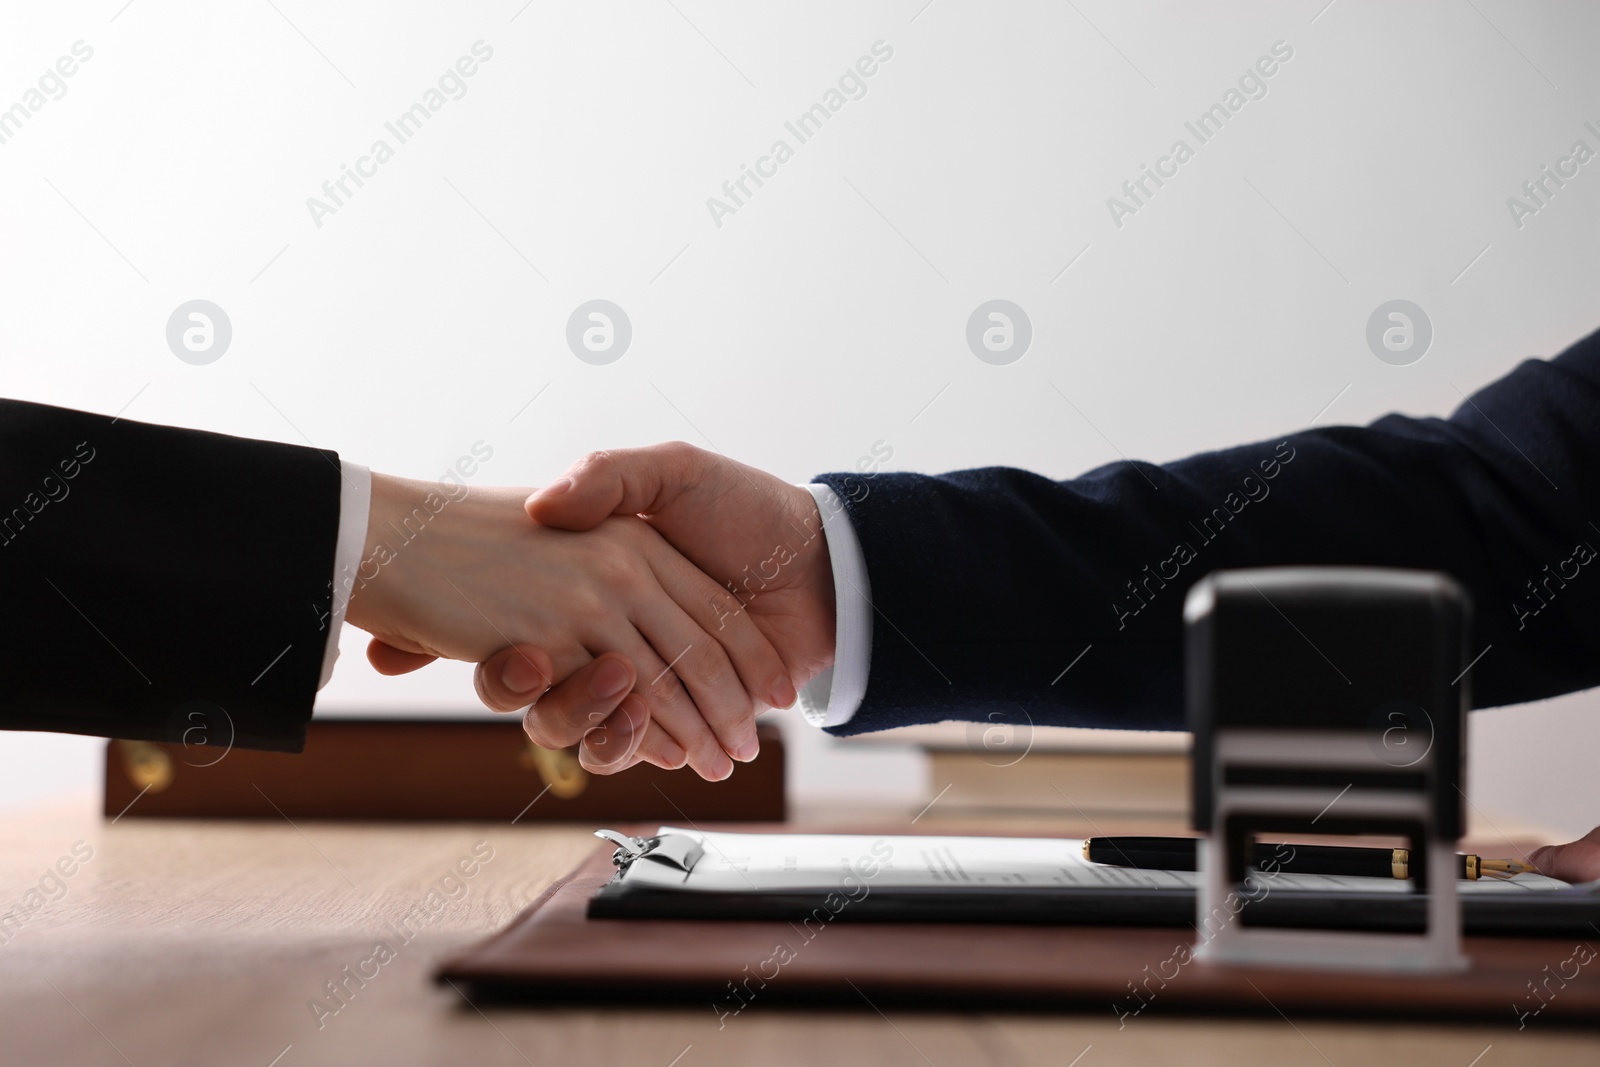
point(981, 768)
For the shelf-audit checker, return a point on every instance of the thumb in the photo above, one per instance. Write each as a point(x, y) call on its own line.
point(624, 481)
point(1576, 861)
point(387, 659)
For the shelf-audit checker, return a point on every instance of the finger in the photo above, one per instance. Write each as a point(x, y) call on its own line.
point(625, 481)
point(514, 677)
point(570, 712)
point(627, 736)
point(562, 716)
point(386, 659)
point(574, 701)
point(1576, 861)
point(721, 691)
point(671, 706)
point(721, 616)
point(703, 669)
point(657, 748)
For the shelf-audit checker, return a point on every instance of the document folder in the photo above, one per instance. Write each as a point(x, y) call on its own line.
point(931, 878)
point(1077, 949)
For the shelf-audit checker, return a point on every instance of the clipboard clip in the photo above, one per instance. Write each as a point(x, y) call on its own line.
point(628, 848)
point(678, 851)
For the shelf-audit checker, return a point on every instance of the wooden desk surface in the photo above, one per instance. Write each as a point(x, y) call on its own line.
point(206, 943)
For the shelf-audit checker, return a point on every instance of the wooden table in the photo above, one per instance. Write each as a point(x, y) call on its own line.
point(207, 943)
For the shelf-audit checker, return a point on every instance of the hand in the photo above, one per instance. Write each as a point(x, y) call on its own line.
point(752, 531)
point(459, 573)
point(1576, 861)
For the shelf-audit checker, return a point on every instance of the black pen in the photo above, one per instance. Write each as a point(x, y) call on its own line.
point(1178, 854)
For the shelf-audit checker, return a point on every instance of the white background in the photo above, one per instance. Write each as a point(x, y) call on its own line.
point(827, 313)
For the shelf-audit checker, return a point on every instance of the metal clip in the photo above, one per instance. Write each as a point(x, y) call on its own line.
point(628, 848)
point(677, 850)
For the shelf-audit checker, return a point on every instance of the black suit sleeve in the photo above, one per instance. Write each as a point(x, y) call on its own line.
point(988, 583)
point(159, 583)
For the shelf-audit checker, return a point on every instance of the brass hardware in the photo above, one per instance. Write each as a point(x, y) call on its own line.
point(1474, 868)
point(147, 766)
point(1400, 863)
point(558, 768)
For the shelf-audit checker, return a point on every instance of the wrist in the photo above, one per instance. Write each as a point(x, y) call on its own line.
point(818, 592)
point(400, 509)
point(823, 593)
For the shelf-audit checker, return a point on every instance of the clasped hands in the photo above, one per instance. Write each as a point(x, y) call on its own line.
point(649, 604)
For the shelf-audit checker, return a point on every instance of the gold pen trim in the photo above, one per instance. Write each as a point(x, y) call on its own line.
point(1473, 868)
point(1506, 868)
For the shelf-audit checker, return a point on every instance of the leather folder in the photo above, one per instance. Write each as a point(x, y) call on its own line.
point(416, 770)
point(555, 951)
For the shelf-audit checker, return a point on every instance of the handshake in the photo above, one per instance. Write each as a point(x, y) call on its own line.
point(649, 604)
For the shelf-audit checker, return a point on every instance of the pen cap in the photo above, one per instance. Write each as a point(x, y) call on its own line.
point(1299, 654)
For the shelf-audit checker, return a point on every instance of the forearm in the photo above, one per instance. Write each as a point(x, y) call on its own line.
point(989, 583)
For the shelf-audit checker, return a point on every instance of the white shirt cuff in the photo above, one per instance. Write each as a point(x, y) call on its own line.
point(832, 697)
point(355, 500)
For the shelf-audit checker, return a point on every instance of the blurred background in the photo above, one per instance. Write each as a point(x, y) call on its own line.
point(955, 153)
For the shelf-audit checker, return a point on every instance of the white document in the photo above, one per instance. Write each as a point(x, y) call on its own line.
point(743, 863)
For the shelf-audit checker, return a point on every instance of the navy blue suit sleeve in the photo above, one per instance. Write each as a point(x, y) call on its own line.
point(161, 584)
point(988, 583)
